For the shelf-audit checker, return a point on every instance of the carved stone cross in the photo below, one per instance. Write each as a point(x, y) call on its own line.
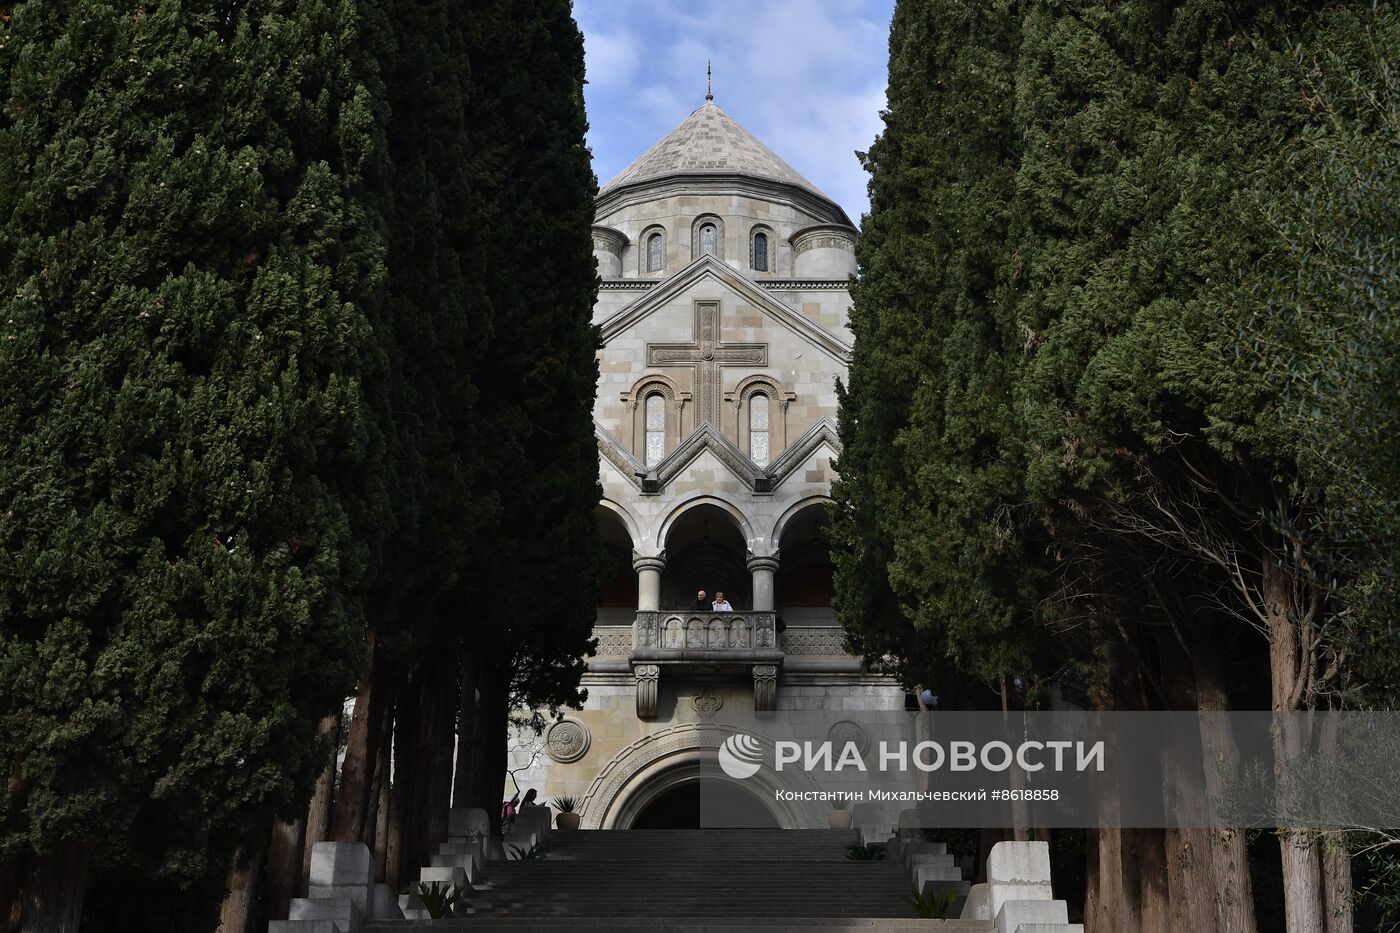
point(707, 355)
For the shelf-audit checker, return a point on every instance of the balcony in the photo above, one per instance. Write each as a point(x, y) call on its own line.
point(705, 639)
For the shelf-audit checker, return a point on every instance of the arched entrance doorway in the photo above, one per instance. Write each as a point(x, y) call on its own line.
point(657, 763)
point(701, 804)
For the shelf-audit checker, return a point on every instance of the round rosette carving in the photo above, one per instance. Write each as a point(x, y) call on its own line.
point(567, 741)
point(844, 732)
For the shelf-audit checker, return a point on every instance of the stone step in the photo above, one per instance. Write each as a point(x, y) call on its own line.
point(662, 924)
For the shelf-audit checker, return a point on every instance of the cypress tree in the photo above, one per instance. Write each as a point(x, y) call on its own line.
point(919, 468)
point(1056, 412)
point(534, 579)
point(188, 502)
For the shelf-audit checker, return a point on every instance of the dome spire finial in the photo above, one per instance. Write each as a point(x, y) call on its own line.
point(709, 82)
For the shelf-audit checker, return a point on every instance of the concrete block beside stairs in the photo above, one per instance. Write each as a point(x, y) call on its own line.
point(468, 822)
point(977, 907)
point(923, 875)
point(341, 870)
point(909, 851)
point(341, 911)
point(1018, 871)
point(383, 904)
point(494, 849)
point(303, 926)
point(1015, 915)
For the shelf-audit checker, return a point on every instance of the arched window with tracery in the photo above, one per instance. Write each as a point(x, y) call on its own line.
point(656, 252)
point(709, 240)
point(760, 252)
point(655, 428)
point(759, 434)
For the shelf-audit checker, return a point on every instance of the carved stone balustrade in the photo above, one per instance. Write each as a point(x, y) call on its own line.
point(709, 639)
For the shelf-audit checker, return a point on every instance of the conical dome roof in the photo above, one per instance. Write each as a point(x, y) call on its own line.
point(710, 142)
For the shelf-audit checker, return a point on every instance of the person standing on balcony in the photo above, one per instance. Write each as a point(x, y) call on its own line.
point(702, 602)
point(721, 604)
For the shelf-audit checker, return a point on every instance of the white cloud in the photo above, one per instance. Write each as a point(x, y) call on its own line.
point(805, 76)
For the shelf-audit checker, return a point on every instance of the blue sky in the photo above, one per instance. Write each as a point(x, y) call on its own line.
point(807, 77)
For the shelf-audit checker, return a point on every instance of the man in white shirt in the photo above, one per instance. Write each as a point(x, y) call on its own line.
point(721, 604)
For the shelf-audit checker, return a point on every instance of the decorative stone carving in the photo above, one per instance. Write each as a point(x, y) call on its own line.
point(612, 642)
point(814, 641)
point(567, 741)
point(646, 631)
point(706, 356)
point(765, 688)
point(846, 732)
point(764, 635)
point(718, 636)
point(609, 240)
point(648, 676)
point(706, 704)
point(823, 241)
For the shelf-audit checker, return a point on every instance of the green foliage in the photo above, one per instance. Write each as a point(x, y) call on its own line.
point(1125, 362)
point(523, 854)
point(921, 573)
point(532, 213)
point(566, 803)
point(188, 493)
point(870, 852)
point(439, 898)
point(931, 904)
point(1328, 336)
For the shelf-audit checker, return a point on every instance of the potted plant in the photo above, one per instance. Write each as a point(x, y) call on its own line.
point(568, 818)
point(840, 815)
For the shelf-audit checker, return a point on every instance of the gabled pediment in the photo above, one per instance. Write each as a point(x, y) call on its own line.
point(707, 439)
point(710, 268)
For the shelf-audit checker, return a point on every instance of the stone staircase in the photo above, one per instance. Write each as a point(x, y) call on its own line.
point(680, 881)
point(688, 879)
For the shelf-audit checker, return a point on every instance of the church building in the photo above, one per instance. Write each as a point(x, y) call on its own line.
point(723, 317)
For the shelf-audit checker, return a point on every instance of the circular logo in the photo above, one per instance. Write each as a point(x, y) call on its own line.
point(740, 756)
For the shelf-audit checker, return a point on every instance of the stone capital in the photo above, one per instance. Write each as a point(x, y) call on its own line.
point(655, 561)
point(762, 561)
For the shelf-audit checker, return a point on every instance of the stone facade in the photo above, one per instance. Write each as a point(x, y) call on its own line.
point(723, 315)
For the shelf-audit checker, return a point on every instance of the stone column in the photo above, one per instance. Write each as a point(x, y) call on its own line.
point(649, 581)
point(763, 570)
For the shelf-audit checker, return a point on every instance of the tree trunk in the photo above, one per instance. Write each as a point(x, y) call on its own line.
point(468, 726)
point(11, 904)
point(283, 867)
point(1110, 904)
point(318, 814)
point(1234, 890)
point(355, 793)
point(398, 863)
point(381, 821)
point(240, 892)
point(1155, 906)
point(1338, 892)
point(1302, 866)
point(437, 711)
point(52, 888)
point(446, 702)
